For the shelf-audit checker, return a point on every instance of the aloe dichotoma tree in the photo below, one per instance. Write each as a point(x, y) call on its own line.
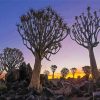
point(85, 32)
point(42, 32)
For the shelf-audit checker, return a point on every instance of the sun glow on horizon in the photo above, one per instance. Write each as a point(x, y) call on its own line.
point(77, 74)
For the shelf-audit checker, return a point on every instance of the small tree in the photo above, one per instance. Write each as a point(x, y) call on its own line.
point(42, 32)
point(73, 70)
point(87, 71)
point(64, 72)
point(46, 72)
point(85, 32)
point(53, 68)
point(11, 58)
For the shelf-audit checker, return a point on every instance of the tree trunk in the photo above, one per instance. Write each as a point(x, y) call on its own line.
point(73, 75)
point(93, 64)
point(87, 77)
point(53, 75)
point(35, 80)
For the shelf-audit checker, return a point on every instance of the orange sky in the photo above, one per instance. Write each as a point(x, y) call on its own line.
point(78, 73)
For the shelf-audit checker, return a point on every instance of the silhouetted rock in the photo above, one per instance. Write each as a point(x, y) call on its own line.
point(31, 97)
point(2, 97)
point(86, 95)
point(60, 97)
point(25, 73)
point(11, 77)
point(22, 72)
point(90, 98)
point(29, 73)
point(48, 92)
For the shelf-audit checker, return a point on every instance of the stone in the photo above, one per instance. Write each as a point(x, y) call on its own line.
point(11, 77)
point(60, 97)
point(48, 92)
point(25, 73)
point(86, 95)
point(2, 97)
point(31, 97)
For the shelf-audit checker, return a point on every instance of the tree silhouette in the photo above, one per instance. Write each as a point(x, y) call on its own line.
point(73, 70)
point(87, 71)
point(85, 32)
point(11, 58)
point(46, 72)
point(42, 32)
point(64, 72)
point(53, 68)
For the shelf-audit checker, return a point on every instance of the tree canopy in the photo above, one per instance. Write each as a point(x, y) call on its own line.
point(42, 31)
point(11, 58)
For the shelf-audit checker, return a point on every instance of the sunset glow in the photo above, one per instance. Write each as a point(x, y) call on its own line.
point(77, 74)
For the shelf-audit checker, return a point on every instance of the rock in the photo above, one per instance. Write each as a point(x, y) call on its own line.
point(21, 91)
point(11, 92)
point(22, 71)
point(86, 95)
point(31, 97)
point(22, 84)
point(48, 92)
point(25, 73)
point(98, 89)
point(60, 97)
point(11, 77)
point(29, 73)
point(10, 98)
point(79, 94)
point(20, 97)
point(2, 97)
point(90, 98)
point(76, 91)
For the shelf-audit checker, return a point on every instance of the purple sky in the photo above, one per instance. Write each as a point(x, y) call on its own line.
point(71, 54)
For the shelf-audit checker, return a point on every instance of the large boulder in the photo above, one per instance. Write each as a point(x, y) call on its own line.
point(11, 77)
point(48, 92)
point(25, 72)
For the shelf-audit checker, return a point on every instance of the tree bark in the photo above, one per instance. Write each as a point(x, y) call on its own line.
point(35, 80)
point(93, 64)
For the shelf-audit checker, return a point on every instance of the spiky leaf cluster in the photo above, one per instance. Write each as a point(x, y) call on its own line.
point(64, 72)
point(42, 32)
point(86, 28)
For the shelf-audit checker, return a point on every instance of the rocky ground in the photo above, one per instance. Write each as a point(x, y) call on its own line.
point(15, 87)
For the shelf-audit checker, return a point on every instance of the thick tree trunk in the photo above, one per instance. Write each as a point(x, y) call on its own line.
point(93, 64)
point(35, 80)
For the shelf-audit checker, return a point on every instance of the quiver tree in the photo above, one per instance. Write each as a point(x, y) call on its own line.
point(11, 58)
point(87, 71)
point(53, 69)
point(85, 32)
point(64, 72)
point(73, 70)
point(42, 32)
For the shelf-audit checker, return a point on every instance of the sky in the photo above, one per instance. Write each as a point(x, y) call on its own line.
point(71, 54)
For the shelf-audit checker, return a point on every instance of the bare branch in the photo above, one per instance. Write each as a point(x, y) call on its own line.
point(42, 31)
point(86, 29)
